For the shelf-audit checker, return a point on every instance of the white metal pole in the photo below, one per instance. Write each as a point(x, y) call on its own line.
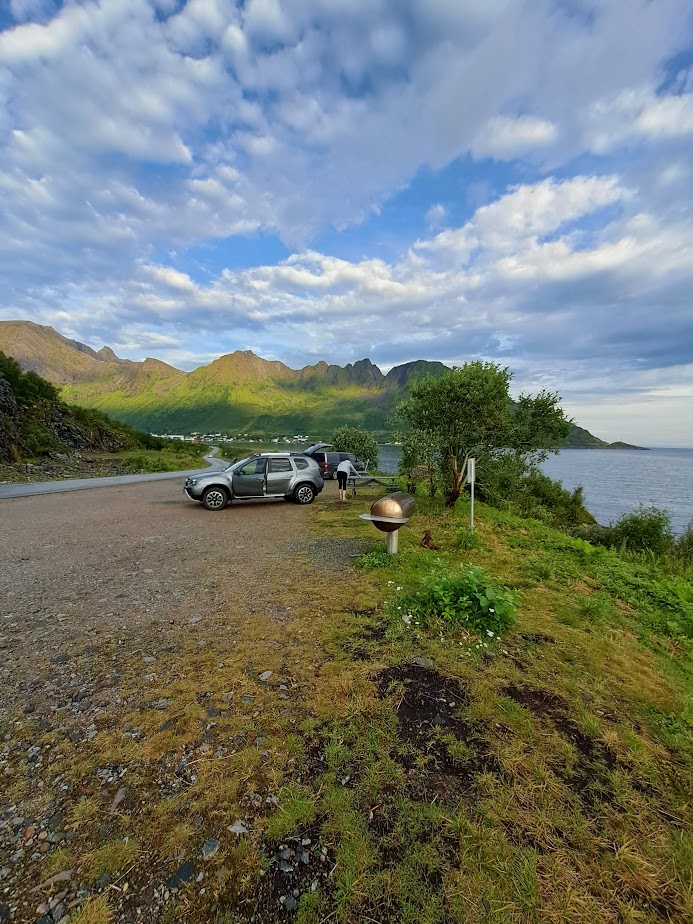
point(471, 478)
point(392, 542)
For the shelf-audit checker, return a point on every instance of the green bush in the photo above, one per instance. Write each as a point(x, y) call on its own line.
point(469, 599)
point(27, 387)
point(645, 529)
point(684, 544)
point(566, 508)
point(505, 483)
point(466, 540)
point(595, 533)
point(37, 440)
point(376, 558)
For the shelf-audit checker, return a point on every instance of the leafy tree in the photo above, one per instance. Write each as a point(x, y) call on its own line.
point(418, 460)
point(468, 413)
point(357, 441)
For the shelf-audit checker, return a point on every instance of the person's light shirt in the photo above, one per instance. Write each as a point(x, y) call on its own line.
point(347, 468)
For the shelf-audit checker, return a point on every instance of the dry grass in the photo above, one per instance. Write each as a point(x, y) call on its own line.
point(93, 911)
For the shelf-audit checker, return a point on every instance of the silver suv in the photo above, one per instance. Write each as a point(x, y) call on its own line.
point(293, 477)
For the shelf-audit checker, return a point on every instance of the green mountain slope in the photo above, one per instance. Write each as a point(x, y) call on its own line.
point(238, 392)
point(578, 438)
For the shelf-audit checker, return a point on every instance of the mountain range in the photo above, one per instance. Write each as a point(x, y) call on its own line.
point(238, 392)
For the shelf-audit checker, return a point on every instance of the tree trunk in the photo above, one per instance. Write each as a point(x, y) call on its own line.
point(459, 479)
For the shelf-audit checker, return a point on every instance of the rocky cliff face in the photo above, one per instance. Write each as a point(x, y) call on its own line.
point(35, 423)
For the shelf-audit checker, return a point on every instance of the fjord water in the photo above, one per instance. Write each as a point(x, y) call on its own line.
point(616, 481)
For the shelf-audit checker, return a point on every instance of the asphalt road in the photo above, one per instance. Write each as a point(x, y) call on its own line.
point(80, 484)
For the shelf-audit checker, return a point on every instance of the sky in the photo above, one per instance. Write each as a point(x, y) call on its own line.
point(510, 180)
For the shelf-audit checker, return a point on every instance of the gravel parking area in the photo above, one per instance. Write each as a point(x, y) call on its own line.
point(131, 563)
point(142, 640)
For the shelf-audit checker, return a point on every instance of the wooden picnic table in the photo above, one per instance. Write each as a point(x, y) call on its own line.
point(365, 480)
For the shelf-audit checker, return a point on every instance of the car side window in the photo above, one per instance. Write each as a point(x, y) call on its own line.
point(254, 467)
point(280, 465)
point(301, 463)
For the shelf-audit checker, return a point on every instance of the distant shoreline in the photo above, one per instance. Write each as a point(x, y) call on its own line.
point(617, 445)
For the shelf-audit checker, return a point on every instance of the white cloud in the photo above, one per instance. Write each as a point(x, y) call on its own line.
point(504, 138)
point(526, 213)
point(435, 216)
point(667, 117)
point(636, 115)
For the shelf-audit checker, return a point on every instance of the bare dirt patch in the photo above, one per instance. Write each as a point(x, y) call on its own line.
point(444, 753)
point(293, 867)
point(588, 779)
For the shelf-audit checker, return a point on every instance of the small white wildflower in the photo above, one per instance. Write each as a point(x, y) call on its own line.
point(406, 619)
point(398, 588)
point(491, 609)
point(489, 633)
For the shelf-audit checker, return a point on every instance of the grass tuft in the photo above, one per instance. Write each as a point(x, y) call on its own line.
point(93, 911)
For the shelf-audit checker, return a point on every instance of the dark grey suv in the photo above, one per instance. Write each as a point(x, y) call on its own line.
point(328, 461)
point(293, 477)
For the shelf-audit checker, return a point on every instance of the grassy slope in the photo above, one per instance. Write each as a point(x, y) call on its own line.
point(541, 778)
point(262, 407)
point(558, 786)
point(173, 403)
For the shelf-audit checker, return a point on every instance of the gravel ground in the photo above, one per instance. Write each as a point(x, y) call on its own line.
point(132, 561)
point(97, 584)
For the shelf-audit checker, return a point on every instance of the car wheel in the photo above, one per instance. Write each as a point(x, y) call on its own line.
point(215, 498)
point(304, 494)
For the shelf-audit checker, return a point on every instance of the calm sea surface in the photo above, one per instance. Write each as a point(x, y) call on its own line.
point(615, 481)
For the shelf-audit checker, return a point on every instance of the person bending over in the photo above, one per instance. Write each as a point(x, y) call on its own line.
point(344, 470)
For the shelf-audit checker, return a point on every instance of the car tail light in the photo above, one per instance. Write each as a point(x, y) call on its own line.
point(325, 465)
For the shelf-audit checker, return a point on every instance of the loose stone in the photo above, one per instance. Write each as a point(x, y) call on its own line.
point(183, 874)
point(209, 848)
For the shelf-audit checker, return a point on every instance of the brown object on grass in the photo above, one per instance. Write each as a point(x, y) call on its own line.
point(427, 542)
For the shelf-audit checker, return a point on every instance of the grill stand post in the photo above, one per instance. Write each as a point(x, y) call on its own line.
point(392, 542)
